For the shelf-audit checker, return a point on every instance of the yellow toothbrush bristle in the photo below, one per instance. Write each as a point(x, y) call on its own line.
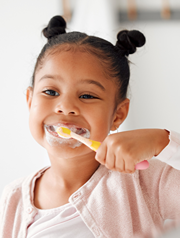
point(63, 132)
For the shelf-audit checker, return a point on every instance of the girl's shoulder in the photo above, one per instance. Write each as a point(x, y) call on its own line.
point(20, 185)
point(14, 185)
point(11, 196)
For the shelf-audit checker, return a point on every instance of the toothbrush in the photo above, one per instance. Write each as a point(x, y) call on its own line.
point(92, 144)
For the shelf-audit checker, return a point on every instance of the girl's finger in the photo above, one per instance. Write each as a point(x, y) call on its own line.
point(110, 159)
point(129, 166)
point(119, 164)
point(101, 153)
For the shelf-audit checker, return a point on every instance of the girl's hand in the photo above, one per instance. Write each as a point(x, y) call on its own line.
point(122, 151)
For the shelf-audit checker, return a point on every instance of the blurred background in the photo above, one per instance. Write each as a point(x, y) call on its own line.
point(155, 79)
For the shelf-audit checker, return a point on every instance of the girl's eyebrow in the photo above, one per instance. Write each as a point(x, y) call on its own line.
point(82, 81)
point(49, 76)
point(91, 81)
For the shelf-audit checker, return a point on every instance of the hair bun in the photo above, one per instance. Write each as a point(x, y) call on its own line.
point(56, 26)
point(129, 40)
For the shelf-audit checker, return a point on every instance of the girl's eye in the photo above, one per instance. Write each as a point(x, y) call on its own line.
point(87, 96)
point(51, 92)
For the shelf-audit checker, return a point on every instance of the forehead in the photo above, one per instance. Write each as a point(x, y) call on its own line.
point(73, 64)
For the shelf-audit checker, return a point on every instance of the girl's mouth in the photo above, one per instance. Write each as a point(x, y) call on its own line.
point(80, 131)
point(54, 139)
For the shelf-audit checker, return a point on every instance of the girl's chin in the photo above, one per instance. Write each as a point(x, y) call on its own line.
point(66, 151)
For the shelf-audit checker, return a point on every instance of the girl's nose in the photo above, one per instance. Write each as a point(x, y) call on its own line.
point(67, 107)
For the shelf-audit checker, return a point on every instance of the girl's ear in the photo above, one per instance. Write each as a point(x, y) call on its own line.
point(120, 114)
point(29, 94)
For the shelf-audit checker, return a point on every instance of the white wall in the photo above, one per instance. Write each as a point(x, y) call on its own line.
point(21, 22)
point(155, 78)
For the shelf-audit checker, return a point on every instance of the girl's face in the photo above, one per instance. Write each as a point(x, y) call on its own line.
point(71, 90)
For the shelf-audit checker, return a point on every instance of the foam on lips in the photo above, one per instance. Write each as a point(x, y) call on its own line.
point(55, 140)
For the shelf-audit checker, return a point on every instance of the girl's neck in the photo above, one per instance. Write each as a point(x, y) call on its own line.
point(62, 179)
point(70, 174)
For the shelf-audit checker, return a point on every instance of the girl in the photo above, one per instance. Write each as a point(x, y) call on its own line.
point(80, 82)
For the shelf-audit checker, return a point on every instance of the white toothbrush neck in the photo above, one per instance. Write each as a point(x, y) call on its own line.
point(81, 139)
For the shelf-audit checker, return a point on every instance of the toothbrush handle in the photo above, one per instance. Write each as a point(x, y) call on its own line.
point(142, 165)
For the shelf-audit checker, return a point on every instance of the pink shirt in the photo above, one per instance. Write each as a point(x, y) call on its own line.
point(110, 203)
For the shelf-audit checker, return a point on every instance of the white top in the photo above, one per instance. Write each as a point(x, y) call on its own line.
point(60, 222)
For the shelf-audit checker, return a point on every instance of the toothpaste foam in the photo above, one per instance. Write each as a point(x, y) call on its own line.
point(58, 141)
